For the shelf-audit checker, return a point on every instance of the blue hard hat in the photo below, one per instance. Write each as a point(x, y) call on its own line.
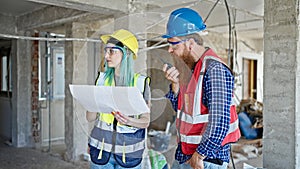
point(184, 21)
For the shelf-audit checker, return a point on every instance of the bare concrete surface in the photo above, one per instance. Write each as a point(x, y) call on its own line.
point(29, 158)
point(254, 162)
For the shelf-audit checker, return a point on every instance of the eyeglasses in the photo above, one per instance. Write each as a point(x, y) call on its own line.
point(112, 50)
point(173, 45)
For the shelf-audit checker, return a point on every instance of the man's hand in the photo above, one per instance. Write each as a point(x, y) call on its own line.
point(196, 162)
point(172, 74)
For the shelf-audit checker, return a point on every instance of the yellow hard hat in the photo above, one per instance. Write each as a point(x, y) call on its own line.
point(126, 37)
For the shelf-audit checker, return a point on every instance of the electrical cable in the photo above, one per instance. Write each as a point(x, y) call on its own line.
point(211, 11)
point(70, 39)
point(229, 58)
point(47, 38)
point(166, 17)
point(234, 47)
point(241, 10)
point(235, 66)
point(229, 32)
point(233, 165)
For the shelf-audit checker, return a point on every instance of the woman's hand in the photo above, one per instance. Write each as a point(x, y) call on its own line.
point(141, 122)
point(122, 119)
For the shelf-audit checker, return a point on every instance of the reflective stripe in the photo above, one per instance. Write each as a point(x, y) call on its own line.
point(103, 125)
point(140, 83)
point(118, 148)
point(100, 80)
point(191, 139)
point(196, 139)
point(233, 126)
point(120, 128)
point(193, 120)
point(198, 91)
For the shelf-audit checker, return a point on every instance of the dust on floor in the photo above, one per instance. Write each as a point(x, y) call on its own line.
point(29, 158)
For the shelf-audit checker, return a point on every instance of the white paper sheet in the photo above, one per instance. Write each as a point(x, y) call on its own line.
point(127, 100)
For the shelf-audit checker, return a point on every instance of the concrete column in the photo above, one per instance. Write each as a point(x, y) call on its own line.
point(69, 131)
point(81, 64)
point(76, 71)
point(21, 95)
point(281, 84)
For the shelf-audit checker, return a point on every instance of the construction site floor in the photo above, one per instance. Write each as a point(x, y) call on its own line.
point(29, 158)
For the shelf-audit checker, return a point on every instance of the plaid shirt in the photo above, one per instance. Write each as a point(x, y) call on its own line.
point(218, 84)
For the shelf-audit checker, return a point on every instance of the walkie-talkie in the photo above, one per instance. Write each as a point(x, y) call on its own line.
point(164, 62)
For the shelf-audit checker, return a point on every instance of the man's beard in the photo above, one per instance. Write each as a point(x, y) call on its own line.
point(184, 64)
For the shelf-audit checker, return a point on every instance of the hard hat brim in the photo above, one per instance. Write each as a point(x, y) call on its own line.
point(166, 36)
point(185, 33)
point(105, 38)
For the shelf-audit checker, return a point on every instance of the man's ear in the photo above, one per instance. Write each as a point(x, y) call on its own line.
point(191, 43)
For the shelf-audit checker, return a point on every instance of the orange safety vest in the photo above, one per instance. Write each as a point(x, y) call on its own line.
point(193, 117)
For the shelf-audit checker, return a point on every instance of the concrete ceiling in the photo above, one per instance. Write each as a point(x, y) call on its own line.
point(246, 15)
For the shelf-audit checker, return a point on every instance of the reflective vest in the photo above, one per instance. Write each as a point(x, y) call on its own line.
point(126, 143)
point(192, 120)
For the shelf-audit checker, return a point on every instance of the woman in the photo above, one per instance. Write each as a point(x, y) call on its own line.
point(118, 141)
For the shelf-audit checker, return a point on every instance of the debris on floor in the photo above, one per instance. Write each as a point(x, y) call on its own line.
point(247, 166)
point(245, 150)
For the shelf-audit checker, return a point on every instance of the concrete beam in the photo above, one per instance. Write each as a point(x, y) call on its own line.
point(50, 16)
point(164, 3)
point(99, 6)
point(7, 24)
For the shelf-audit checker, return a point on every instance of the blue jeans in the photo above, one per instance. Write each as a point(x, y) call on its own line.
point(207, 165)
point(112, 164)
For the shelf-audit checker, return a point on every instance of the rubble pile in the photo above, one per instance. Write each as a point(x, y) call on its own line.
point(246, 149)
point(250, 113)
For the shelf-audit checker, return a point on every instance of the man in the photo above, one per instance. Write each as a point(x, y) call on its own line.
point(201, 91)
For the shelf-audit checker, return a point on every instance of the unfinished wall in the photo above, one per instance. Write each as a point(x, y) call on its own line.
point(7, 24)
point(281, 84)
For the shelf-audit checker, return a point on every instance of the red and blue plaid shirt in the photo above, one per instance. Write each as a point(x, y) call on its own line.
point(218, 84)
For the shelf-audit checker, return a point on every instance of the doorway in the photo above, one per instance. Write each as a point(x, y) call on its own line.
point(51, 92)
point(5, 90)
point(249, 78)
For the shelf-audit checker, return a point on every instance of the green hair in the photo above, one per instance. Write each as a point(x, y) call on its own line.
point(126, 69)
